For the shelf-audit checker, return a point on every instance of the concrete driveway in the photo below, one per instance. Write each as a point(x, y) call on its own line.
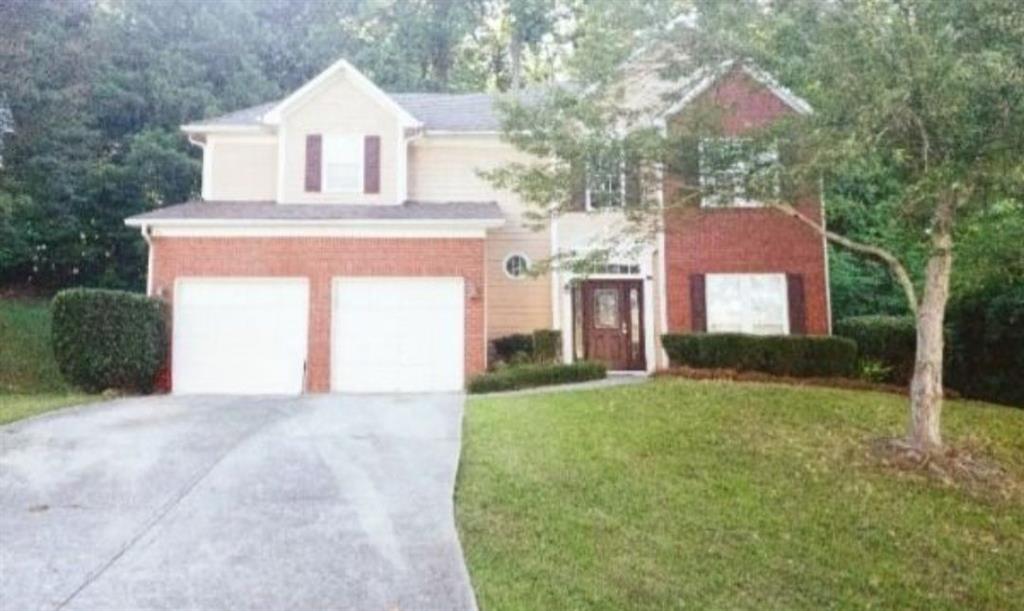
point(322, 502)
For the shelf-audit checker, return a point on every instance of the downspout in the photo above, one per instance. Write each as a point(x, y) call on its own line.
point(147, 235)
point(205, 183)
point(824, 245)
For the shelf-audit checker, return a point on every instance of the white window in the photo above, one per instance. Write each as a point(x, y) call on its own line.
point(343, 164)
point(517, 265)
point(606, 180)
point(747, 303)
point(726, 164)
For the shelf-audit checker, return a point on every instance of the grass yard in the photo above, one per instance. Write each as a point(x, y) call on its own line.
point(15, 407)
point(30, 382)
point(687, 494)
point(26, 357)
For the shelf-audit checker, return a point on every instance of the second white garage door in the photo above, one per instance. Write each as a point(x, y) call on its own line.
point(397, 334)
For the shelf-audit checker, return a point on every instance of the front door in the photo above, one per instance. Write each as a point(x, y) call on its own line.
point(613, 324)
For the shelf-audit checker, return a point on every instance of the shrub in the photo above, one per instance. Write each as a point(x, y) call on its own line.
point(785, 355)
point(529, 376)
point(985, 356)
point(547, 345)
point(506, 348)
point(889, 341)
point(108, 339)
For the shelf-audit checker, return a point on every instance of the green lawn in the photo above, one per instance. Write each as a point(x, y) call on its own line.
point(684, 494)
point(15, 407)
point(30, 382)
point(26, 357)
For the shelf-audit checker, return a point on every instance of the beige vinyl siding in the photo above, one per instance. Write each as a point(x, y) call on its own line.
point(339, 108)
point(445, 169)
point(241, 167)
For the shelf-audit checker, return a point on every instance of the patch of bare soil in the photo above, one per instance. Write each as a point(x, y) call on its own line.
point(963, 467)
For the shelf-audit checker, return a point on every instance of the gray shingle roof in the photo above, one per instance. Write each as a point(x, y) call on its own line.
point(459, 112)
point(246, 116)
point(473, 112)
point(259, 210)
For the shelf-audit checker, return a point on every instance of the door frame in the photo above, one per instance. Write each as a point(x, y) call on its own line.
point(586, 291)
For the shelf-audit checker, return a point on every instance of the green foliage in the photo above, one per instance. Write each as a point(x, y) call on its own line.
point(108, 339)
point(507, 347)
point(784, 355)
point(547, 345)
point(542, 346)
point(536, 374)
point(26, 352)
point(888, 342)
point(986, 355)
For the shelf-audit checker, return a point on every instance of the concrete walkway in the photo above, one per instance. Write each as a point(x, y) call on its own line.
point(323, 502)
point(614, 379)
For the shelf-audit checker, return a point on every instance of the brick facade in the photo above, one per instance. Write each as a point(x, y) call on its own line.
point(322, 259)
point(743, 240)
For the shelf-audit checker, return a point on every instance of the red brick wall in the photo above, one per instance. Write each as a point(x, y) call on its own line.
point(742, 240)
point(320, 260)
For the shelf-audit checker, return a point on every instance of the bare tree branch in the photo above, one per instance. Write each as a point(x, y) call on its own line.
point(881, 254)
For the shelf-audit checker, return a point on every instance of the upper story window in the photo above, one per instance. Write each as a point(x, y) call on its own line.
point(343, 164)
point(606, 180)
point(613, 179)
point(726, 164)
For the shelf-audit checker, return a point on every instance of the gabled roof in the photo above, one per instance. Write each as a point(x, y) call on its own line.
point(442, 112)
point(274, 115)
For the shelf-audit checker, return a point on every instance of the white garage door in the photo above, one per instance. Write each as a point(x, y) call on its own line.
point(397, 334)
point(240, 335)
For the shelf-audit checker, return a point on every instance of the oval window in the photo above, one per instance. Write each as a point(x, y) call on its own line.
point(516, 265)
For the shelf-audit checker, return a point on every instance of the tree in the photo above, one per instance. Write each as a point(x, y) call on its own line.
point(930, 90)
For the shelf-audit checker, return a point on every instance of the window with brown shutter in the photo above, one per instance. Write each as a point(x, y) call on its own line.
point(797, 304)
point(371, 164)
point(698, 307)
point(314, 148)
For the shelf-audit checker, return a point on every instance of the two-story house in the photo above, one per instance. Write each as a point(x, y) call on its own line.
point(346, 241)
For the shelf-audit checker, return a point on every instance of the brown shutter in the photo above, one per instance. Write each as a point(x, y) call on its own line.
point(797, 304)
point(698, 304)
point(371, 164)
point(314, 151)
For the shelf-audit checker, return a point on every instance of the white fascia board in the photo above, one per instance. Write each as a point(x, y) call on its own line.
point(276, 114)
point(419, 228)
point(704, 78)
point(212, 128)
point(791, 99)
point(451, 133)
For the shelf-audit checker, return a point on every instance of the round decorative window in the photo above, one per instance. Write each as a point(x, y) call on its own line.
point(516, 265)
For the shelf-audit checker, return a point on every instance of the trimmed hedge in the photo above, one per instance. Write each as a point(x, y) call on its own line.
point(509, 347)
point(798, 356)
point(108, 339)
point(547, 345)
point(529, 376)
point(542, 346)
point(985, 354)
point(888, 340)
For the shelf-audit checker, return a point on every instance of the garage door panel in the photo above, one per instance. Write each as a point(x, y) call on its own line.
point(240, 336)
point(397, 334)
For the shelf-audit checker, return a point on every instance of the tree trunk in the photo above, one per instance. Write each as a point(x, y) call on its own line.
point(924, 431)
point(515, 53)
